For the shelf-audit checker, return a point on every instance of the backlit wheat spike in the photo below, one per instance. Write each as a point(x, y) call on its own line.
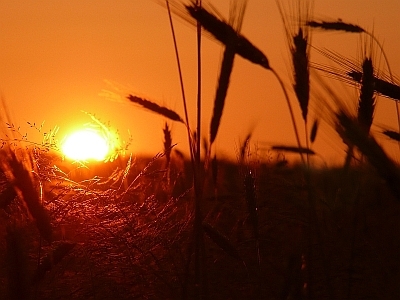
point(366, 103)
point(293, 149)
point(314, 130)
point(167, 144)
point(337, 26)
point(394, 135)
point(383, 87)
point(387, 89)
point(346, 27)
point(154, 107)
point(226, 34)
point(298, 38)
point(353, 72)
point(222, 89)
point(226, 70)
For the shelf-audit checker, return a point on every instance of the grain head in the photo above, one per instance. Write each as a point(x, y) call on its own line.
point(366, 103)
point(154, 107)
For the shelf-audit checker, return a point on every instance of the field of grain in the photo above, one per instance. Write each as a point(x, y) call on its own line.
point(197, 226)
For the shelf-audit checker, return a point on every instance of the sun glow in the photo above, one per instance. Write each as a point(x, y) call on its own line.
point(86, 144)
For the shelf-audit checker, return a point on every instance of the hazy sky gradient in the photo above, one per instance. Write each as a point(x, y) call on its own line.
point(57, 56)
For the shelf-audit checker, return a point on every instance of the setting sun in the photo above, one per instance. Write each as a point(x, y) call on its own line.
point(85, 144)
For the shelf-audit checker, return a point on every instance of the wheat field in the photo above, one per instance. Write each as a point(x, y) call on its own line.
point(197, 226)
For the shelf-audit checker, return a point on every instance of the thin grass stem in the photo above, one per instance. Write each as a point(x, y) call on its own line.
point(290, 111)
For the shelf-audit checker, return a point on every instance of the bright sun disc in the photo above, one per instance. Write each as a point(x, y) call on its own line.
point(85, 144)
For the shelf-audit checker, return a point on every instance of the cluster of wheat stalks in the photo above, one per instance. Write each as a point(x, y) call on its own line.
point(20, 169)
point(353, 128)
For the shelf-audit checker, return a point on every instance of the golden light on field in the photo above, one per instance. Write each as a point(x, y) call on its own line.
point(86, 144)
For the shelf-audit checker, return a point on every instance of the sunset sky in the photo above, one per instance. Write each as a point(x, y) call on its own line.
point(58, 57)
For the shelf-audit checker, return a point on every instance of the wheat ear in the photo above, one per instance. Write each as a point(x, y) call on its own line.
point(154, 107)
point(226, 34)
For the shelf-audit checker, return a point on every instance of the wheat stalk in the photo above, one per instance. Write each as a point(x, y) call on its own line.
point(314, 130)
point(366, 104)
point(347, 27)
point(293, 149)
point(221, 92)
point(299, 43)
point(154, 107)
point(226, 70)
point(383, 87)
point(167, 145)
point(336, 25)
point(301, 71)
point(227, 35)
point(394, 135)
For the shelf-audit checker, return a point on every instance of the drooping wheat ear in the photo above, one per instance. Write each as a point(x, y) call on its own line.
point(236, 19)
point(351, 28)
point(225, 72)
point(314, 130)
point(178, 61)
point(222, 89)
point(348, 129)
point(394, 135)
point(293, 149)
point(341, 26)
point(226, 34)
point(387, 89)
point(337, 26)
point(154, 107)
point(366, 103)
point(383, 87)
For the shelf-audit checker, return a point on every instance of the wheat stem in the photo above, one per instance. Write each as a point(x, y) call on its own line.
point(290, 111)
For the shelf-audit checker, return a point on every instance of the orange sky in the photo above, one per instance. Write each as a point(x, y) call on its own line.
point(57, 57)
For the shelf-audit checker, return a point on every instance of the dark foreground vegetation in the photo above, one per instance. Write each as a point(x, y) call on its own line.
point(202, 228)
point(128, 234)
